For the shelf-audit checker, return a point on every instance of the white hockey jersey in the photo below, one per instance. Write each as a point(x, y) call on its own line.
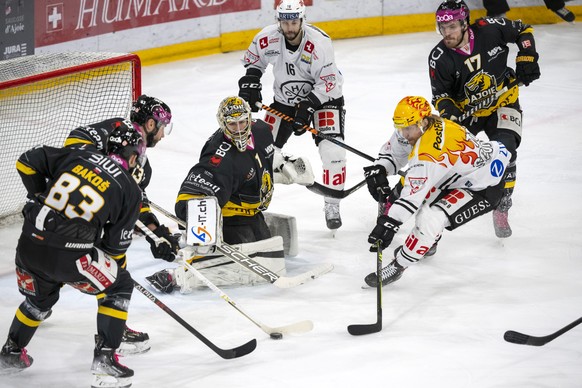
point(446, 156)
point(311, 68)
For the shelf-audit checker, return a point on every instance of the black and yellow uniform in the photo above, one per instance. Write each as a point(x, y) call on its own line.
point(242, 182)
point(81, 204)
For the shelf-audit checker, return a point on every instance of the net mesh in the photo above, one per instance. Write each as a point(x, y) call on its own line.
point(44, 97)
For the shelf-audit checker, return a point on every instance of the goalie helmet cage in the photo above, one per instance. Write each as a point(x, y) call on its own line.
point(44, 97)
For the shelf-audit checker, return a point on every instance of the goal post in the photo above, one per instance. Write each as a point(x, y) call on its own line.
point(44, 97)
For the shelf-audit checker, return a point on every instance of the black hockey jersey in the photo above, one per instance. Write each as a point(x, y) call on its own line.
point(242, 181)
point(461, 81)
point(80, 183)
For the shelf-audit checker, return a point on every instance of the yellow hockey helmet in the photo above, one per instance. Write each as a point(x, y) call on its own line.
point(411, 110)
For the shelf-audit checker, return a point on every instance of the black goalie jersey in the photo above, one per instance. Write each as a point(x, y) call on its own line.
point(242, 181)
point(463, 80)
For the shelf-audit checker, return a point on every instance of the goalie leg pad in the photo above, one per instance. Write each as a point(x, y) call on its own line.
point(286, 227)
point(268, 252)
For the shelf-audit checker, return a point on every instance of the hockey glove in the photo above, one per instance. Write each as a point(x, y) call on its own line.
point(250, 90)
point(527, 69)
point(303, 114)
point(384, 230)
point(167, 247)
point(377, 181)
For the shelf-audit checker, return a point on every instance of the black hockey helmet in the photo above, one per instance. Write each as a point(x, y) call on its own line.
point(145, 108)
point(124, 141)
point(450, 10)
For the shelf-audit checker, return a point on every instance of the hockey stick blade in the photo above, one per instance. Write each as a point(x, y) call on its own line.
point(524, 339)
point(320, 189)
point(237, 352)
point(292, 281)
point(364, 329)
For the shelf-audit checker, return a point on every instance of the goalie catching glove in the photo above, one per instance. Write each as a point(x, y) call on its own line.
point(384, 230)
point(167, 247)
point(291, 169)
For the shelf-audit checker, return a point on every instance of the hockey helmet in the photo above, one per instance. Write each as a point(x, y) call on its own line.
point(235, 111)
point(124, 141)
point(291, 10)
point(410, 110)
point(145, 108)
point(450, 10)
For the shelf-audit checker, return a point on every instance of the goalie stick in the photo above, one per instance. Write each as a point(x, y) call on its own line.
point(224, 353)
point(524, 339)
point(248, 263)
point(299, 327)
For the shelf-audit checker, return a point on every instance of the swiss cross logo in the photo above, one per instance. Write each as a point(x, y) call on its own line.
point(215, 160)
point(54, 17)
point(26, 283)
point(453, 197)
point(263, 42)
point(325, 119)
point(309, 47)
point(504, 117)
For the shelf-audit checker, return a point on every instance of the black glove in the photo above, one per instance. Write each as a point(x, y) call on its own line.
point(303, 114)
point(250, 90)
point(384, 230)
point(167, 248)
point(377, 181)
point(527, 69)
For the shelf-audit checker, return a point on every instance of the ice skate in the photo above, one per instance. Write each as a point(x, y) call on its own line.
point(106, 369)
point(391, 273)
point(332, 216)
point(565, 14)
point(162, 281)
point(134, 342)
point(13, 359)
point(501, 224)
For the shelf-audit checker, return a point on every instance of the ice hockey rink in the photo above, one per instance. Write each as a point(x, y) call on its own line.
point(443, 321)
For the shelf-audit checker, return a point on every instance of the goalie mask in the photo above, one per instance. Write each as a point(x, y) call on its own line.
point(145, 108)
point(410, 111)
point(124, 141)
point(234, 118)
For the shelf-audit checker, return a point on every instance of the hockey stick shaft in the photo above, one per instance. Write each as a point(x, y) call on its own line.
point(362, 329)
point(316, 132)
point(498, 94)
point(524, 339)
point(224, 353)
point(299, 327)
point(248, 263)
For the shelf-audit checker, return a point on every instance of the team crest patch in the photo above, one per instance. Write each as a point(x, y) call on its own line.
point(329, 81)
point(26, 283)
point(416, 184)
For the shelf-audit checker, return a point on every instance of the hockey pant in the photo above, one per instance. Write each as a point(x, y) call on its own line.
point(222, 271)
point(41, 273)
point(447, 209)
point(328, 119)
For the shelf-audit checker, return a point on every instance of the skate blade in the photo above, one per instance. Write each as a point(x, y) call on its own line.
point(106, 381)
point(131, 348)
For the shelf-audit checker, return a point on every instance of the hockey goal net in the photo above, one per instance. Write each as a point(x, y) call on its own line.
point(44, 97)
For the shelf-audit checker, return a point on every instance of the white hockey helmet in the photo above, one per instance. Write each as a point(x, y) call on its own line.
point(235, 110)
point(291, 10)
